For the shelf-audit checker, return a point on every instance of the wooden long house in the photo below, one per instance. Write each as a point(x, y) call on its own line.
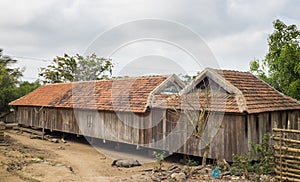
point(242, 107)
point(152, 111)
point(116, 110)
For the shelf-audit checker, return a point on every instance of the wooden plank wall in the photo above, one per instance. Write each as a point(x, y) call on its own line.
point(120, 127)
point(161, 129)
point(239, 130)
point(50, 118)
point(9, 117)
point(286, 119)
point(230, 138)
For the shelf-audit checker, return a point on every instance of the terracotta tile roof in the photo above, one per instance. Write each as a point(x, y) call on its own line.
point(44, 96)
point(259, 96)
point(197, 101)
point(245, 93)
point(131, 94)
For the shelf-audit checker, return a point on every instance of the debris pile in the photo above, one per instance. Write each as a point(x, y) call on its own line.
point(174, 172)
point(200, 173)
point(36, 134)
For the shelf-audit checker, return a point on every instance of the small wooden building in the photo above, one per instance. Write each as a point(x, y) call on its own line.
point(243, 107)
point(150, 111)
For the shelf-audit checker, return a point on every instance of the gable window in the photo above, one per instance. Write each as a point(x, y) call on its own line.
point(209, 85)
point(172, 89)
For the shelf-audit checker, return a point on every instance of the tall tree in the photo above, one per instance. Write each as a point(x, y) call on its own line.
point(25, 87)
point(77, 68)
point(281, 65)
point(8, 80)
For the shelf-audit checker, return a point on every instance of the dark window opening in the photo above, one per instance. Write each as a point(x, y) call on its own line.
point(256, 122)
point(207, 85)
point(286, 119)
point(246, 126)
point(257, 127)
point(280, 120)
point(269, 123)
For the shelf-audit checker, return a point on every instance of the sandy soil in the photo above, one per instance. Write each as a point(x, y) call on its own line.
point(32, 160)
point(73, 161)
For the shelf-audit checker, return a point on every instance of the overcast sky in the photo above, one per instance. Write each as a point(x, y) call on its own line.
point(235, 32)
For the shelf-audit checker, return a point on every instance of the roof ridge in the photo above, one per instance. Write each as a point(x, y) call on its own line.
point(60, 83)
point(237, 71)
point(136, 77)
point(112, 79)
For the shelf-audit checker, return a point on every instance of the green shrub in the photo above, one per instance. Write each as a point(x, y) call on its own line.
point(239, 162)
point(159, 158)
point(260, 159)
point(191, 162)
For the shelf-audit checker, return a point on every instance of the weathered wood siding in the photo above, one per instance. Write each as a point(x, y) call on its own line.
point(237, 131)
point(120, 127)
point(8, 117)
point(58, 119)
point(230, 138)
point(162, 129)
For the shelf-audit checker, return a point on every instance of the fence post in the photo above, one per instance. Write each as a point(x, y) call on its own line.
point(280, 154)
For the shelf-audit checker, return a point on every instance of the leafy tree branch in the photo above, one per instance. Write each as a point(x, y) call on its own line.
point(281, 65)
point(77, 68)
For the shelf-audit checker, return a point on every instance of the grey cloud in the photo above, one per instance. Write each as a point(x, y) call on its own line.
point(236, 31)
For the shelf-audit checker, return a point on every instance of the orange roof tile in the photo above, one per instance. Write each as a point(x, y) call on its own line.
point(259, 96)
point(131, 94)
point(245, 93)
point(197, 101)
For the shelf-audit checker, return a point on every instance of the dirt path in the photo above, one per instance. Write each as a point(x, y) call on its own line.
point(62, 162)
point(34, 160)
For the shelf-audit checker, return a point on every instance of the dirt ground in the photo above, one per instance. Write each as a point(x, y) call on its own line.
point(33, 160)
point(25, 159)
